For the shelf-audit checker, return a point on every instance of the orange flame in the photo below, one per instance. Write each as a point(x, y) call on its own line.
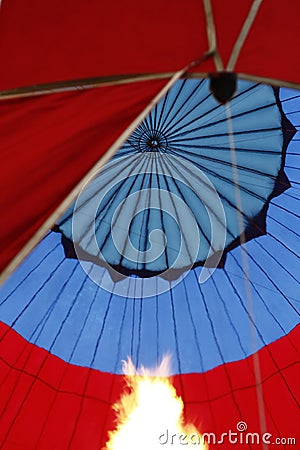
point(150, 416)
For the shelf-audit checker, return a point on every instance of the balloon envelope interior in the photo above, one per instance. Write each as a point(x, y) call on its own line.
point(66, 324)
point(192, 180)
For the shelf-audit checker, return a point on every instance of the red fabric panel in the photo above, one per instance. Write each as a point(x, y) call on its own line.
point(50, 41)
point(270, 50)
point(46, 403)
point(58, 40)
point(49, 143)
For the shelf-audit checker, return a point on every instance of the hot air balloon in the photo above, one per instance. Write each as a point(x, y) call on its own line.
point(185, 243)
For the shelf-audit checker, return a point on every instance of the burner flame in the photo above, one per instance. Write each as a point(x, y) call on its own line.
point(148, 411)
